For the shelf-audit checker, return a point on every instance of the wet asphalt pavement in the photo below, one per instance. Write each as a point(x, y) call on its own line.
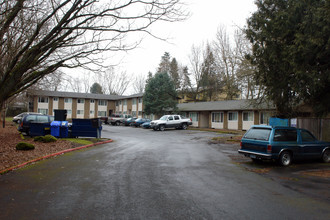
point(145, 174)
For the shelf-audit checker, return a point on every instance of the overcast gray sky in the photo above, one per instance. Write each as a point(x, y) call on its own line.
point(206, 16)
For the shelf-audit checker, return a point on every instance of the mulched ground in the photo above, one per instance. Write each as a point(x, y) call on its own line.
point(9, 156)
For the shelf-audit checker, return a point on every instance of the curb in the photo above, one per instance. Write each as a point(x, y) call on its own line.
point(52, 155)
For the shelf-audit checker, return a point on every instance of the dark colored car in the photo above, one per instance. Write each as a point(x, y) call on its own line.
point(24, 126)
point(283, 144)
point(146, 125)
point(17, 119)
point(129, 121)
point(138, 122)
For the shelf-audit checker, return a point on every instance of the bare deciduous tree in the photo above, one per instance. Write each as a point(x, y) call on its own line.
point(139, 83)
point(113, 82)
point(38, 37)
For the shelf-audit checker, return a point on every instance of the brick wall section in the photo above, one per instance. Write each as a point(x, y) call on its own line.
point(61, 103)
point(225, 120)
point(240, 120)
point(35, 104)
point(87, 108)
point(74, 108)
point(50, 105)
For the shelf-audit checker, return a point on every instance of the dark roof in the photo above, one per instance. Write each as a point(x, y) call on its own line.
point(137, 95)
point(226, 105)
point(75, 95)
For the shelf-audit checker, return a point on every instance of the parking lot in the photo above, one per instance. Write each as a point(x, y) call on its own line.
point(175, 174)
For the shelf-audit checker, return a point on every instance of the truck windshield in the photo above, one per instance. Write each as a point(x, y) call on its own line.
point(258, 134)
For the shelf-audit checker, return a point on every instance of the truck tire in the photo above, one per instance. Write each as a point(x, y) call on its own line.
point(117, 123)
point(162, 127)
point(326, 156)
point(184, 126)
point(285, 158)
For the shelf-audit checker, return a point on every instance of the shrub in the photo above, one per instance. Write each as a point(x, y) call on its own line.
point(45, 139)
point(49, 138)
point(24, 146)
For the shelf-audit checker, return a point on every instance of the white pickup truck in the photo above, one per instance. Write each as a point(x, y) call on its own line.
point(116, 119)
point(171, 121)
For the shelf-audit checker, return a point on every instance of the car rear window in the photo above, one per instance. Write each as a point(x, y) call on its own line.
point(287, 135)
point(258, 134)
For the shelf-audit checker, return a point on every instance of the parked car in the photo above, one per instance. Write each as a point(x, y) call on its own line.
point(138, 122)
point(18, 118)
point(24, 126)
point(128, 121)
point(116, 119)
point(146, 125)
point(171, 121)
point(283, 144)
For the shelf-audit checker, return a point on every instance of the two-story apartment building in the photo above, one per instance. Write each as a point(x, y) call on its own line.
point(228, 114)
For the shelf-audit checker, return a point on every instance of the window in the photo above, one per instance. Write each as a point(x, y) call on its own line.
point(176, 117)
point(68, 100)
point(43, 111)
point(91, 112)
point(193, 116)
point(170, 118)
point(125, 102)
point(134, 114)
point(102, 113)
point(140, 112)
point(81, 101)
point(103, 102)
point(285, 135)
point(247, 116)
point(92, 100)
point(217, 117)
point(134, 101)
point(117, 103)
point(42, 118)
point(307, 136)
point(43, 99)
point(80, 112)
point(68, 111)
point(264, 117)
point(258, 134)
point(55, 99)
point(140, 100)
point(232, 116)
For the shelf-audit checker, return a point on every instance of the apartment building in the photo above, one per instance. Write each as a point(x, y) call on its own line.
point(228, 114)
point(84, 105)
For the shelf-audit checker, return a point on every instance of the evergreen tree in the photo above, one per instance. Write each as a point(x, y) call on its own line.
point(174, 73)
point(96, 89)
point(165, 63)
point(291, 52)
point(160, 95)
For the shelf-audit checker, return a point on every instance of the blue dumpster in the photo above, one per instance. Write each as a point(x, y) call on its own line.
point(64, 129)
point(86, 127)
point(55, 128)
point(39, 129)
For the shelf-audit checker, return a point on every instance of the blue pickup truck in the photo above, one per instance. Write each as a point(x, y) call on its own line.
point(283, 144)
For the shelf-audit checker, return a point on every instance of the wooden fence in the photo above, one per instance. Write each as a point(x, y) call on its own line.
point(320, 127)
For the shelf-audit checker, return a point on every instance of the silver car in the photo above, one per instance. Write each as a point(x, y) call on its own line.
point(18, 118)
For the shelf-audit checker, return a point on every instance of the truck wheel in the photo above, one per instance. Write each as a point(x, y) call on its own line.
point(326, 156)
point(184, 126)
point(285, 158)
point(117, 123)
point(161, 127)
point(154, 128)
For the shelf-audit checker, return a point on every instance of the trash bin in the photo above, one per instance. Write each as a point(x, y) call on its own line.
point(60, 114)
point(86, 128)
point(39, 129)
point(55, 128)
point(64, 130)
